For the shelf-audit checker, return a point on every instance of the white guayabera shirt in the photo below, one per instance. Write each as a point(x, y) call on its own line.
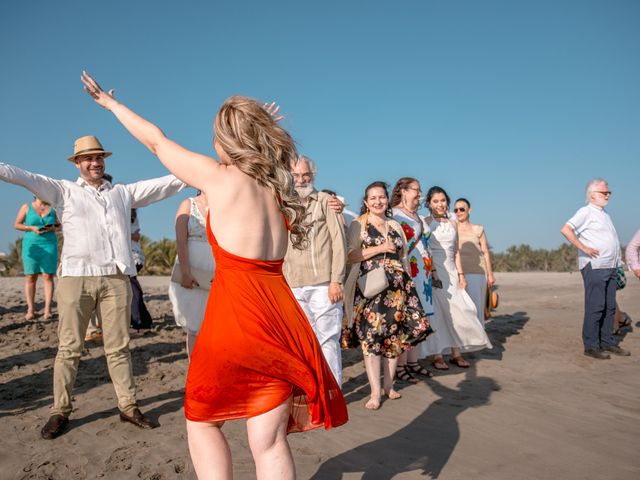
point(96, 222)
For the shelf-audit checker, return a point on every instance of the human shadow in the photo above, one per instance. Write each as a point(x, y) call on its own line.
point(33, 391)
point(173, 401)
point(425, 444)
point(24, 323)
point(410, 448)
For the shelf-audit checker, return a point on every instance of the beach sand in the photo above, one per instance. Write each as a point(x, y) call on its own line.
point(534, 407)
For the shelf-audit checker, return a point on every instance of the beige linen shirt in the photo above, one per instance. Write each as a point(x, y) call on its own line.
point(324, 259)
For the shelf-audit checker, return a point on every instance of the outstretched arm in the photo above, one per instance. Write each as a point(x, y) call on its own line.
point(190, 167)
point(44, 188)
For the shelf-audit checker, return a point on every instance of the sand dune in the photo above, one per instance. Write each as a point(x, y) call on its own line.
point(532, 408)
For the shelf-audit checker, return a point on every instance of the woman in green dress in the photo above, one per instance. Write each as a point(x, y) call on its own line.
point(39, 251)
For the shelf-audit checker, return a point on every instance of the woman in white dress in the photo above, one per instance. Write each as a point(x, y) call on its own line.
point(455, 320)
point(474, 256)
point(189, 298)
point(405, 202)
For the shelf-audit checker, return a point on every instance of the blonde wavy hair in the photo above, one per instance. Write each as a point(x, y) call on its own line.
point(265, 151)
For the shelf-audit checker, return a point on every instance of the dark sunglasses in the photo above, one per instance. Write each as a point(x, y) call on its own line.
point(461, 209)
point(603, 193)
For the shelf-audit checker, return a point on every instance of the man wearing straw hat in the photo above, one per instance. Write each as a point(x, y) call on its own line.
point(94, 270)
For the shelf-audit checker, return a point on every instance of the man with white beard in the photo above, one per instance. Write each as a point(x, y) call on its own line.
point(316, 273)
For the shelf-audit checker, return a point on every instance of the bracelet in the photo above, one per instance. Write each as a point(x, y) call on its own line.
point(461, 273)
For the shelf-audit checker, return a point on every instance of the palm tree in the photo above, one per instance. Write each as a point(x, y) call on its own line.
point(159, 256)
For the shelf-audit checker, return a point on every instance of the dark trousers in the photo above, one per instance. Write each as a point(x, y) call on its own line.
point(599, 306)
point(140, 316)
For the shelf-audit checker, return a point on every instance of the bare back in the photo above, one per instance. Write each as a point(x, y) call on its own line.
point(245, 217)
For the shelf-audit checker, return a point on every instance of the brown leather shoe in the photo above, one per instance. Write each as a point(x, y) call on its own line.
point(138, 419)
point(54, 427)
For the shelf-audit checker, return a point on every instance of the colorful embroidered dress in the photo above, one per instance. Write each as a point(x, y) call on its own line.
point(418, 235)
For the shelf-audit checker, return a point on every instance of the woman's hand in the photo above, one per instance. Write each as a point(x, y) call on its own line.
point(491, 280)
point(463, 281)
point(102, 98)
point(388, 247)
point(188, 281)
point(272, 109)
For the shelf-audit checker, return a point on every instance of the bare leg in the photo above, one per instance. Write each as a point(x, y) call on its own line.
point(191, 341)
point(268, 442)
point(389, 366)
point(30, 294)
point(209, 451)
point(372, 366)
point(47, 278)
point(402, 359)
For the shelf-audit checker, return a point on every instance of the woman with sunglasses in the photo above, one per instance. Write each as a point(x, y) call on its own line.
point(474, 256)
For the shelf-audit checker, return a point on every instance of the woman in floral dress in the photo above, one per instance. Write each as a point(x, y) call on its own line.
point(405, 200)
point(390, 322)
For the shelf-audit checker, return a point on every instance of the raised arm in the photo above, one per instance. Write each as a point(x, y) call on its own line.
point(190, 167)
point(146, 192)
point(44, 188)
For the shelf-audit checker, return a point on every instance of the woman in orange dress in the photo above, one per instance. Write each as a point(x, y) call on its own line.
point(256, 356)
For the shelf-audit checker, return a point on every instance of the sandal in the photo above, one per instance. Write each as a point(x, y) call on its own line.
point(440, 364)
point(459, 362)
point(415, 367)
point(404, 374)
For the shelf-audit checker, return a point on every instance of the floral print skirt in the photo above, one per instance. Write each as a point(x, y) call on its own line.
point(392, 321)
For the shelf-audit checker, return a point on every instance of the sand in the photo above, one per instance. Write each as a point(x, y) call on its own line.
point(534, 407)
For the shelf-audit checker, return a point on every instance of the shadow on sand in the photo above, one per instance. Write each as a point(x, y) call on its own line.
point(429, 440)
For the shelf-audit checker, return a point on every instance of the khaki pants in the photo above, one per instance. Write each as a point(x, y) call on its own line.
point(78, 297)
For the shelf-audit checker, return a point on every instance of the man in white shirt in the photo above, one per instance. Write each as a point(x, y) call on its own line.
point(592, 232)
point(94, 271)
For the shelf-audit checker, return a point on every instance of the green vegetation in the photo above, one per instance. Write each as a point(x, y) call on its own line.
point(161, 255)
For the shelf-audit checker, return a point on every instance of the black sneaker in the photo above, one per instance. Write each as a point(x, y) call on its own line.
point(597, 353)
point(617, 351)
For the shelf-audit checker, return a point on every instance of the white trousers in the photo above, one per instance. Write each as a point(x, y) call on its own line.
point(326, 320)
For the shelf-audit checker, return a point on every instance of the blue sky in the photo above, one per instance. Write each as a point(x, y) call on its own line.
point(512, 104)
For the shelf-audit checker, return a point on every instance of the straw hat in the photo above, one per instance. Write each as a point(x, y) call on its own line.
point(88, 145)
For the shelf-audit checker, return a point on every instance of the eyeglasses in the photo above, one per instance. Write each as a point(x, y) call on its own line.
point(415, 189)
point(461, 209)
point(603, 193)
point(304, 176)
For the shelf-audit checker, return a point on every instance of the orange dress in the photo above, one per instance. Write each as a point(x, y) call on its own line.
point(256, 348)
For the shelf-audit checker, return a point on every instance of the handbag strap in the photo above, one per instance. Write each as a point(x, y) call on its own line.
point(386, 234)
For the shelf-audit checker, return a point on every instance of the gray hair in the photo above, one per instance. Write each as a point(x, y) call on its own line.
point(591, 188)
point(308, 161)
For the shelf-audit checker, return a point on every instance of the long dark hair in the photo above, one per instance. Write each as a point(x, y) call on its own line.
point(432, 191)
point(377, 184)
